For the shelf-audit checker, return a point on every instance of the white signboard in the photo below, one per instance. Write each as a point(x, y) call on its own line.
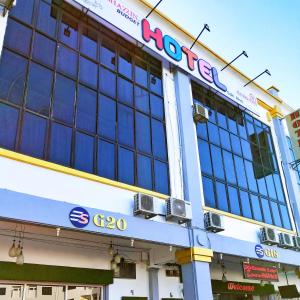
point(293, 123)
point(172, 44)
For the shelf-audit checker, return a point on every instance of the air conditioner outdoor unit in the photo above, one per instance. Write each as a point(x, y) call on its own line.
point(268, 236)
point(285, 240)
point(296, 242)
point(200, 113)
point(213, 222)
point(144, 205)
point(178, 210)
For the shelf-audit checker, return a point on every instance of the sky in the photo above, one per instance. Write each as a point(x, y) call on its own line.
point(268, 30)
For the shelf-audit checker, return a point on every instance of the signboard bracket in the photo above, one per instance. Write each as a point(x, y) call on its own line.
point(295, 164)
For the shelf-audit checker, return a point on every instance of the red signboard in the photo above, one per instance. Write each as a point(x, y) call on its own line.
point(260, 272)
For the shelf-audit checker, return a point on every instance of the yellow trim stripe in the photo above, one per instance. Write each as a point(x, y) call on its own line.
point(162, 15)
point(264, 105)
point(58, 168)
point(186, 256)
point(224, 213)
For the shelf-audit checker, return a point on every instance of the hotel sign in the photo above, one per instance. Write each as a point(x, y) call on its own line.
point(129, 17)
point(293, 123)
point(260, 272)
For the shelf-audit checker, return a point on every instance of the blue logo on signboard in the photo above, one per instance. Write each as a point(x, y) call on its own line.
point(79, 217)
point(259, 250)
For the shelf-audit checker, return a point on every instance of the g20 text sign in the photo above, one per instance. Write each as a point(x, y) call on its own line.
point(293, 123)
point(260, 272)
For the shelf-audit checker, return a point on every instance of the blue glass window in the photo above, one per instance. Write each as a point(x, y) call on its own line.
point(250, 176)
point(225, 140)
point(222, 196)
point(86, 109)
point(262, 187)
point(125, 66)
point(69, 31)
point(202, 130)
point(18, 37)
point(106, 159)
point(107, 82)
point(125, 125)
point(33, 135)
point(271, 186)
point(88, 72)
point(240, 170)
point(84, 152)
point(205, 159)
point(161, 177)
point(159, 140)
point(46, 20)
point(256, 208)
point(8, 125)
point(125, 91)
point(285, 216)
point(126, 165)
point(229, 167)
point(276, 214)
point(234, 200)
point(67, 61)
point(141, 97)
point(44, 50)
point(217, 161)
point(246, 149)
point(108, 56)
point(23, 11)
point(141, 74)
point(278, 186)
point(213, 133)
point(39, 89)
point(144, 172)
point(245, 201)
point(222, 122)
point(157, 106)
point(236, 145)
point(60, 144)
point(64, 97)
point(155, 82)
point(266, 211)
point(107, 117)
point(88, 43)
point(143, 135)
point(208, 189)
point(12, 77)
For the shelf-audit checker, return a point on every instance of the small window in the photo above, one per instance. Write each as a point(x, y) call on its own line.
point(107, 117)
point(126, 166)
point(108, 55)
point(47, 291)
point(157, 106)
point(12, 77)
point(88, 72)
point(2, 291)
point(159, 140)
point(60, 152)
point(23, 11)
point(18, 37)
point(67, 61)
point(126, 125)
point(125, 64)
point(106, 153)
point(33, 135)
point(156, 82)
point(47, 16)
point(88, 42)
point(8, 125)
point(44, 50)
point(209, 194)
point(144, 172)
point(141, 73)
point(107, 82)
point(141, 97)
point(161, 177)
point(125, 91)
point(143, 133)
point(39, 89)
point(84, 152)
point(69, 31)
point(86, 109)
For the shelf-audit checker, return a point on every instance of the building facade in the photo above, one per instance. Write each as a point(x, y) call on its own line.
point(96, 109)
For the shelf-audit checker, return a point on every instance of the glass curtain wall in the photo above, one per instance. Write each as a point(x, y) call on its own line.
point(74, 93)
point(238, 163)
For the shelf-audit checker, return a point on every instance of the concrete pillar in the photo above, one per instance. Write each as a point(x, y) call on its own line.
point(290, 176)
point(188, 138)
point(153, 283)
point(195, 273)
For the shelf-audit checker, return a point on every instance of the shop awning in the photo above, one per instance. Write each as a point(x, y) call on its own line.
point(55, 274)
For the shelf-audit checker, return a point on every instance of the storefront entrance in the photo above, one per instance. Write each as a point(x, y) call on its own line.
point(15, 291)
